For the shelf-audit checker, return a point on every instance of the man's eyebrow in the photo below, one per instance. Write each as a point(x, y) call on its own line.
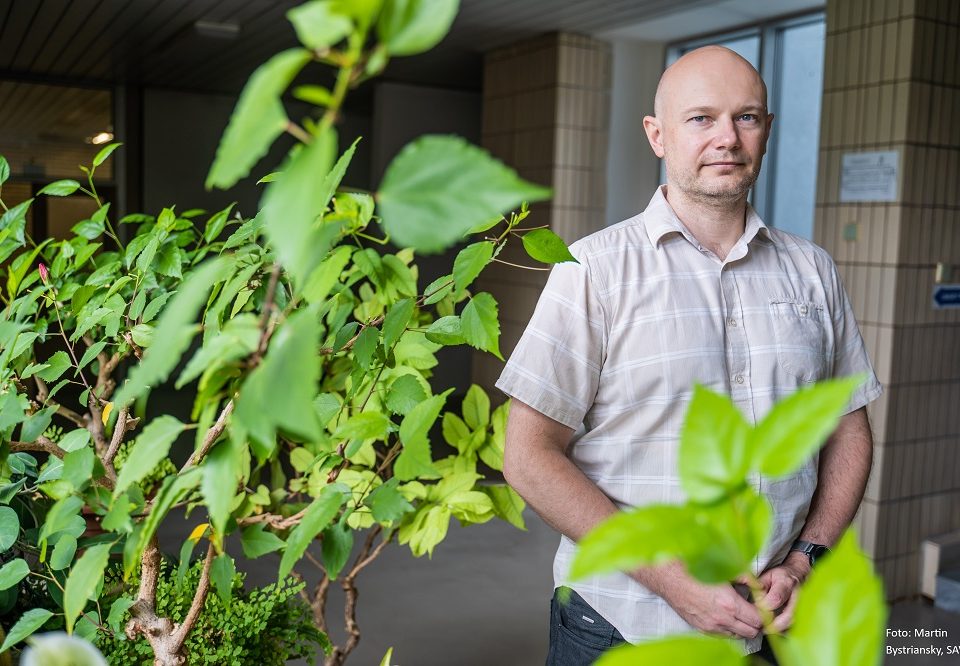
point(710, 109)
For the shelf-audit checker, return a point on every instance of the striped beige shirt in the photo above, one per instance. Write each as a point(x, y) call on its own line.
point(618, 341)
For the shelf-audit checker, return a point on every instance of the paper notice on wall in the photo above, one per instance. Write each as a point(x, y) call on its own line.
point(869, 176)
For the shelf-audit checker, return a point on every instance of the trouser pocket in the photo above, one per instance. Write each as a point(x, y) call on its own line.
point(578, 633)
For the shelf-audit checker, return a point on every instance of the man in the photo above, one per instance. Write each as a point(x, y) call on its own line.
point(695, 289)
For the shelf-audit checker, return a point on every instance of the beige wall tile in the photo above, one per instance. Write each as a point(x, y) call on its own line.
point(905, 40)
point(873, 68)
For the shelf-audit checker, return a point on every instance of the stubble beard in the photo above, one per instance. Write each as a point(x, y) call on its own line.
point(715, 194)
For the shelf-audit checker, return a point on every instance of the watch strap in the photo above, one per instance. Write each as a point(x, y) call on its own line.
point(813, 551)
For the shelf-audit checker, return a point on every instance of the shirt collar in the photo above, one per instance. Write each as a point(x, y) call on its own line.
point(659, 219)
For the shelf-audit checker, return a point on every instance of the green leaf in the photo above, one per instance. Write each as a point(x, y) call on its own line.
point(174, 488)
point(59, 517)
point(415, 460)
point(317, 517)
point(438, 187)
point(175, 329)
point(405, 393)
point(63, 552)
point(92, 352)
point(256, 541)
point(154, 306)
point(507, 504)
point(221, 473)
point(840, 614)
point(709, 539)
point(322, 279)
point(365, 425)
point(120, 606)
point(56, 366)
point(387, 504)
point(365, 346)
point(104, 153)
point(480, 326)
point(9, 527)
point(216, 223)
point(470, 261)
point(75, 439)
point(12, 573)
point(78, 467)
point(476, 408)
point(679, 650)
point(28, 623)
point(335, 548)
point(258, 119)
point(427, 529)
point(396, 321)
point(713, 456)
point(239, 338)
point(84, 577)
point(455, 431)
point(279, 393)
point(89, 229)
point(222, 571)
point(13, 219)
point(292, 205)
point(438, 289)
point(446, 331)
point(36, 423)
point(4, 175)
point(799, 425)
point(318, 24)
point(151, 447)
point(546, 246)
point(60, 188)
point(408, 27)
point(316, 95)
point(169, 261)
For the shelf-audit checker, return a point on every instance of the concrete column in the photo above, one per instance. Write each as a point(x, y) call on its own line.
point(545, 113)
point(892, 82)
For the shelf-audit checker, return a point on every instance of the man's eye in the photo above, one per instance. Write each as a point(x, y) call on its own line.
point(749, 117)
point(698, 119)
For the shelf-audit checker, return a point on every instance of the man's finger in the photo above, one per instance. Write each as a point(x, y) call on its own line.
point(742, 629)
point(783, 621)
point(778, 594)
point(747, 614)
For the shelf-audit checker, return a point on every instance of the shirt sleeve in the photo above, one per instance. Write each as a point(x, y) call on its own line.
point(850, 354)
point(556, 366)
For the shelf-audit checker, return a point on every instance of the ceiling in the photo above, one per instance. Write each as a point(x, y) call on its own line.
point(155, 42)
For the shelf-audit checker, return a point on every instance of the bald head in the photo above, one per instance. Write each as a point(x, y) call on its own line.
point(693, 72)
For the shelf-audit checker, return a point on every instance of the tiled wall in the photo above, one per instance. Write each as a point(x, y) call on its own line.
point(892, 82)
point(545, 113)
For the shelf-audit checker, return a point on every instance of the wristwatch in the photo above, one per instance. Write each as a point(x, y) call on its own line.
point(813, 551)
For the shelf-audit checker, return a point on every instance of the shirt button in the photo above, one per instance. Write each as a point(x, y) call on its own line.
point(732, 323)
point(738, 379)
point(803, 310)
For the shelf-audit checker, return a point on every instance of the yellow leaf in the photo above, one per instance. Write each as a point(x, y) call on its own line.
point(106, 412)
point(198, 531)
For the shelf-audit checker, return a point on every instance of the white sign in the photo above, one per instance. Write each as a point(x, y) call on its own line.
point(869, 176)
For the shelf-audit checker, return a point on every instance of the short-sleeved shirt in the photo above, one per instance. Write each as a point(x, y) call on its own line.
point(618, 341)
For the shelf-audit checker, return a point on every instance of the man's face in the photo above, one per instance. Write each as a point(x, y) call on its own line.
point(712, 126)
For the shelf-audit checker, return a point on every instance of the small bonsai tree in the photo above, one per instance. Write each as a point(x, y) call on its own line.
point(306, 347)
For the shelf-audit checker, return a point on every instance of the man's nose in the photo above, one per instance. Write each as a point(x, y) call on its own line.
point(727, 136)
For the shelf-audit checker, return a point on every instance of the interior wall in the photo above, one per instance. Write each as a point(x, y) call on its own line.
point(633, 171)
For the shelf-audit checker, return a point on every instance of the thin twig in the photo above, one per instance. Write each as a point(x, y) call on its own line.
point(529, 268)
point(210, 438)
point(199, 597)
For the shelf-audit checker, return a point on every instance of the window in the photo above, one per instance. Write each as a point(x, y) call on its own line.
point(789, 55)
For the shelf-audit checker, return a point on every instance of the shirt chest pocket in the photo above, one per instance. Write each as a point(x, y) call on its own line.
point(800, 338)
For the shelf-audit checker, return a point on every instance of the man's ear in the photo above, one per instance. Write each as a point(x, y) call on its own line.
point(651, 125)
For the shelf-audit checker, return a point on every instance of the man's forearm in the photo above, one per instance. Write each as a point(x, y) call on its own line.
point(843, 471)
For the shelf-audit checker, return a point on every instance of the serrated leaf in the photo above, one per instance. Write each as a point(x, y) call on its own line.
point(117, 609)
point(256, 541)
point(60, 188)
point(427, 529)
point(292, 205)
point(840, 614)
point(238, 339)
point(415, 459)
point(324, 276)
point(84, 577)
point(365, 346)
point(91, 353)
point(12, 573)
point(104, 153)
point(28, 623)
point(546, 246)
point(318, 24)
point(479, 324)
point(713, 456)
point(216, 223)
point(446, 331)
point(89, 229)
point(470, 261)
point(335, 548)
point(365, 425)
point(405, 393)
point(799, 425)
point(221, 473)
point(151, 447)
point(222, 571)
point(408, 27)
point(56, 366)
point(396, 320)
point(387, 504)
point(318, 515)
point(169, 261)
point(438, 187)
point(438, 289)
point(692, 649)
point(174, 331)
point(258, 119)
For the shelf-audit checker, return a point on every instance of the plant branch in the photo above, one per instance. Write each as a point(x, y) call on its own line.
point(200, 596)
point(42, 445)
point(528, 268)
point(210, 438)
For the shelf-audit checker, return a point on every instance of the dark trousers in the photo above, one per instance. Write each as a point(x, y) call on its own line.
point(579, 634)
